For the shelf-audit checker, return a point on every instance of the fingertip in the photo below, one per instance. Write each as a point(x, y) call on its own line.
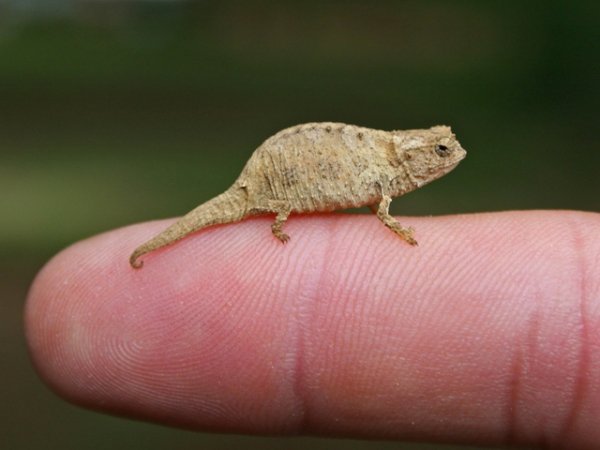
point(74, 313)
point(49, 310)
point(169, 344)
point(220, 333)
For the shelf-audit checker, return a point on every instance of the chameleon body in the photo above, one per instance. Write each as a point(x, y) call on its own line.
point(321, 167)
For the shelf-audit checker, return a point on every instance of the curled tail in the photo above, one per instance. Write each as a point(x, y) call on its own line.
point(228, 207)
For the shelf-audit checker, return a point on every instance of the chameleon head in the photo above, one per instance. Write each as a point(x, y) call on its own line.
point(428, 154)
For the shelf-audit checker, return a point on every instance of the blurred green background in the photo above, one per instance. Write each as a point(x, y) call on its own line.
point(113, 112)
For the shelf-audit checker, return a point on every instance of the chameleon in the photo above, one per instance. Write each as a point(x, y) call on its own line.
point(322, 167)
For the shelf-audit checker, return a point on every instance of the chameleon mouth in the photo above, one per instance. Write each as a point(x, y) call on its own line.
point(460, 154)
point(449, 165)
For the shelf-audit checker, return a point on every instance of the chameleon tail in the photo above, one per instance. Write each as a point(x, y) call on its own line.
point(228, 207)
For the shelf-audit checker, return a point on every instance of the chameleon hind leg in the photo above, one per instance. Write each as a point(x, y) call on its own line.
point(383, 213)
point(283, 210)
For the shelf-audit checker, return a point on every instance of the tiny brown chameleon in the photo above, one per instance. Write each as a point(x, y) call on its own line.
point(321, 167)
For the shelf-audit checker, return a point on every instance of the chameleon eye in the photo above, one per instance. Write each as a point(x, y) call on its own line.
point(442, 150)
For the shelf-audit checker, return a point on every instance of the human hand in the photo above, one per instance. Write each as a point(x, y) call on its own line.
point(488, 332)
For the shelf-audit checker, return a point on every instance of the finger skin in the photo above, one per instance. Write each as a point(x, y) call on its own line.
point(487, 332)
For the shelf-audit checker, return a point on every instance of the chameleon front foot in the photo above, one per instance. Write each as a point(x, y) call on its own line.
point(384, 215)
point(405, 233)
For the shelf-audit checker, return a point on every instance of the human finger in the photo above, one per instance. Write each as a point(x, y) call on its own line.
point(488, 332)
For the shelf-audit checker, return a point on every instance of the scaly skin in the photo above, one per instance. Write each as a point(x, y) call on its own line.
point(322, 167)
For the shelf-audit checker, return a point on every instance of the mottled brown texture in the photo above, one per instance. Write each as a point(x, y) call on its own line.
point(321, 167)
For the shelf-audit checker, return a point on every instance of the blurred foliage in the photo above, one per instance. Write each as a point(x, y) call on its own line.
point(140, 110)
point(122, 111)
